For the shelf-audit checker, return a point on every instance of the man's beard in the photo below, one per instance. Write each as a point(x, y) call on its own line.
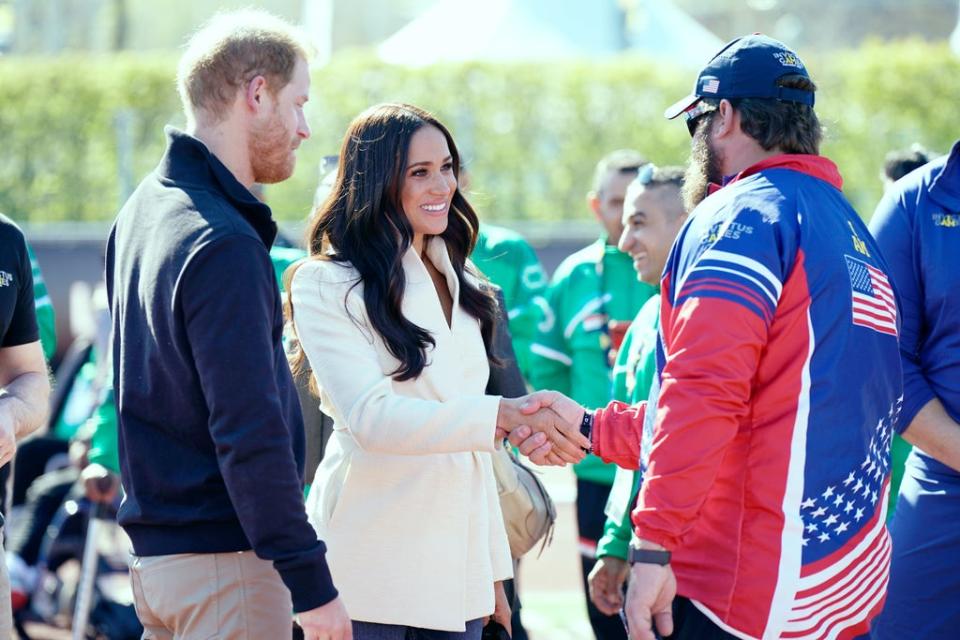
point(271, 152)
point(704, 167)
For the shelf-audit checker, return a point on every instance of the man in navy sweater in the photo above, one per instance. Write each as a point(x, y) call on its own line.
point(211, 435)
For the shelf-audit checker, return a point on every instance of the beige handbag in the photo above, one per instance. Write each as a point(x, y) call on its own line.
point(528, 510)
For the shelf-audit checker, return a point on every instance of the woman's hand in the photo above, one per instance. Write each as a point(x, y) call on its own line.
point(501, 612)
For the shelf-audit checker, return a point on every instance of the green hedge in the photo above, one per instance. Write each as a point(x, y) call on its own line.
point(530, 132)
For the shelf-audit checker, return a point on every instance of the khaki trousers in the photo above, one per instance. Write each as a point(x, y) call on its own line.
point(210, 596)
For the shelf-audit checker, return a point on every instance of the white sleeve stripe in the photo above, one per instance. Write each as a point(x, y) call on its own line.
point(586, 310)
point(534, 301)
point(747, 263)
point(759, 284)
point(551, 354)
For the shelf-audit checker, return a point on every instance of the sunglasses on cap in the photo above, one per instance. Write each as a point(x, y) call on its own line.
point(645, 174)
point(694, 113)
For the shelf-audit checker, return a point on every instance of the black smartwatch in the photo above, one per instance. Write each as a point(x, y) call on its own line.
point(586, 429)
point(648, 556)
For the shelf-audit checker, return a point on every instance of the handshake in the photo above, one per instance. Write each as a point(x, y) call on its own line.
point(545, 426)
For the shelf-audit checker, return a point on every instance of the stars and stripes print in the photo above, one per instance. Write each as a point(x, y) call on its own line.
point(873, 303)
point(846, 547)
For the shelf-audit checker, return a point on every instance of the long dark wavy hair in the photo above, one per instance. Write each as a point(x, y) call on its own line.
point(362, 223)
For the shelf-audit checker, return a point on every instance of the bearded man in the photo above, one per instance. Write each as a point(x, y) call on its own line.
point(765, 443)
point(211, 435)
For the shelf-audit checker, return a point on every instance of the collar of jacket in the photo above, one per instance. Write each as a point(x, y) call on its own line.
point(421, 288)
point(945, 185)
point(815, 166)
point(601, 248)
point(188, 163)
point(416, 272)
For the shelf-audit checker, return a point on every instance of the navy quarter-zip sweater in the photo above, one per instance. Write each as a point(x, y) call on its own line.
point(210, 431)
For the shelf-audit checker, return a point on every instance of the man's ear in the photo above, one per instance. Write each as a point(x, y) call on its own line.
point(593, 201)
point(728, 120)
point(256, 91)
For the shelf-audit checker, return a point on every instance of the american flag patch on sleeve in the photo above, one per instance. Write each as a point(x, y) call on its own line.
point(872, 297)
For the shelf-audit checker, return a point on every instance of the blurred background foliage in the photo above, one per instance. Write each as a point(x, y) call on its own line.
point(530, 133)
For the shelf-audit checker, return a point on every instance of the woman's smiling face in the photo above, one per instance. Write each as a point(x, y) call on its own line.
point(428, 184)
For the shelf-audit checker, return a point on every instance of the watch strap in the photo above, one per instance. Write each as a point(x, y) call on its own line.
point(649, 556)
point(586, 429)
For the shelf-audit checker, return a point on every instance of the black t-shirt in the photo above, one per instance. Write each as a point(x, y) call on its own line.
point(18, 318)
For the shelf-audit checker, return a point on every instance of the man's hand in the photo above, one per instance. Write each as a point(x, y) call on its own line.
point(606, 584)
point(566, 411)
point(562, 431)
point(535, 444)
point(649, 600)
point(936, 433)
point(329, 622)
point(100, 484)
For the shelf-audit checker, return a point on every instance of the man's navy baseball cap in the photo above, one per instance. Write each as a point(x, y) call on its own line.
point(748, 67)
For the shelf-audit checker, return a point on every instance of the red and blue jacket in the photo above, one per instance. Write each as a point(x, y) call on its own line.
point(766, 463)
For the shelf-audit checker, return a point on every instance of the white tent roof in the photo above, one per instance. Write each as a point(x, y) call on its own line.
point(544, 30)
point(659, 29)
point(496, 30)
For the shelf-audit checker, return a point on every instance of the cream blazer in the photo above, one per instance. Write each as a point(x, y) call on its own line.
point(405, 497)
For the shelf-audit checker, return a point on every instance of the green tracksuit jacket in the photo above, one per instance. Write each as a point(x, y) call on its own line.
point(506, 258)
point(632, 377)
point(571, 353)
point(46, 317)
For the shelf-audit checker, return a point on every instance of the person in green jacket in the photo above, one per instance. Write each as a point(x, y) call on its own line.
point(591, 300)
point(282, 258)
point(46, 316)
point(652, 216)
point(508, 260)
point(101, 475)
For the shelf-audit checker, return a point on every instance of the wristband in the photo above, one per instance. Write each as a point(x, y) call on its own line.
point(586, 429)
point(648, 556)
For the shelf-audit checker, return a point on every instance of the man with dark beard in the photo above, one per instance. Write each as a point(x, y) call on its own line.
point(765, 443)
point(211, 435)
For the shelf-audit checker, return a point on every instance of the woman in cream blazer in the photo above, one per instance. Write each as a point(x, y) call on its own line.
point(396, 330)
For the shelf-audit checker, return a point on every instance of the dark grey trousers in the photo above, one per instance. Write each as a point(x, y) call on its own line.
point(375, 631)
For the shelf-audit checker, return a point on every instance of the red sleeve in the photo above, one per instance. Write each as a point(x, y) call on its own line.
point(617, 432)
point(704, 394)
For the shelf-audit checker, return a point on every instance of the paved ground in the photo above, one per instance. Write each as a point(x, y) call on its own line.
point(553, 606)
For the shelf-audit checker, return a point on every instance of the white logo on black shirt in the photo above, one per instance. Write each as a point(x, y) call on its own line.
point(6, 279)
